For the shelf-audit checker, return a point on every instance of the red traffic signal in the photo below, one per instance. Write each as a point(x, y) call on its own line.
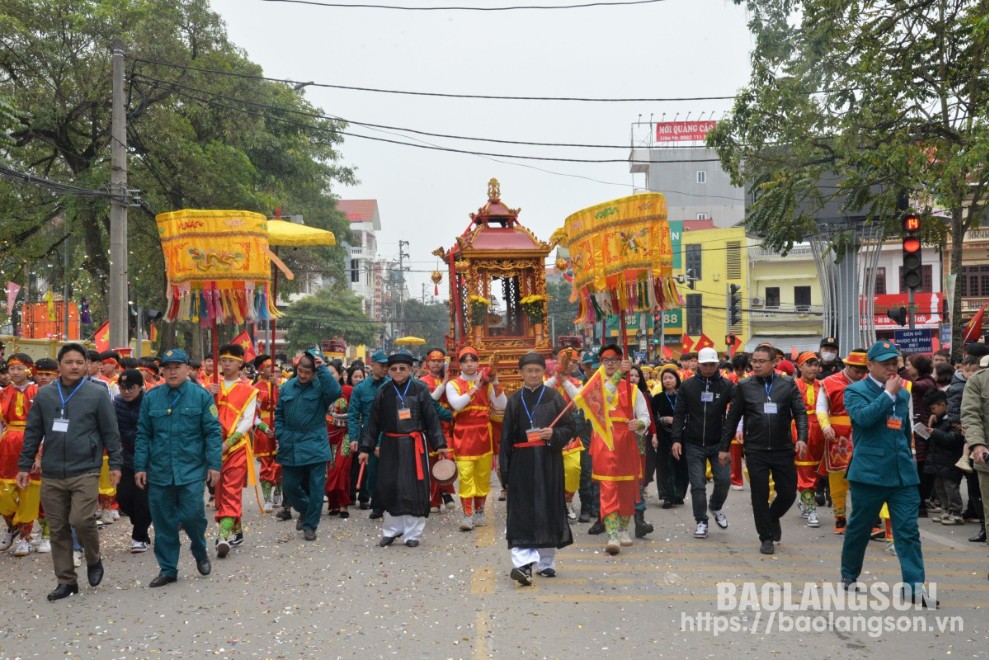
point(911, 245)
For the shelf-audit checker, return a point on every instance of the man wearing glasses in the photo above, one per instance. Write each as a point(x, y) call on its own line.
point(768, 403)
point(837, 430)
point(883, 471)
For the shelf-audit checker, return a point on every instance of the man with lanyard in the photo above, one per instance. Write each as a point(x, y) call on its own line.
point(436, 381)
point(236, 402)
point(836, 429)
point(264, 434)
point(809, 466)
point(179, 445)
point(531, 466)
point(358, 416)
point(698, 426)
point(830, 362)
point(18, 506)
point(473, 395)
point(401, 421)
point(768, 403)
point(883, 471)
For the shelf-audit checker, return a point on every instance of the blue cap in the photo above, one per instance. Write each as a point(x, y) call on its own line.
point(380, 357)
point(883, 350)
point(590, 358)
point(174, 355)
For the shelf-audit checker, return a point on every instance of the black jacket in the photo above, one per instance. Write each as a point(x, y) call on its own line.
point(127, 414)
point(765, 431)
point(944, 448)
point(955, 390)
point(701, 422)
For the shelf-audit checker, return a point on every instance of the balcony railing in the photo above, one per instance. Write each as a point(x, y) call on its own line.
point(783, 313)
point(757, 251)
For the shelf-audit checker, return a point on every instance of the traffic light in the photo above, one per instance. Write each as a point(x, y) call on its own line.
point(657, 317)
point(734, 304)
point(899, 316)
point(913, 270)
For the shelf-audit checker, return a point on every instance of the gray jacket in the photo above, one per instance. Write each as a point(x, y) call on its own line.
point(92, 429)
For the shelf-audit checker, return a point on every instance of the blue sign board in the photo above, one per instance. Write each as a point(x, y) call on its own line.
point(914, 341)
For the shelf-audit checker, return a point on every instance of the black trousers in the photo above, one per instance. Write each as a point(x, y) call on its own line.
point(781, 465)
point(133, 502)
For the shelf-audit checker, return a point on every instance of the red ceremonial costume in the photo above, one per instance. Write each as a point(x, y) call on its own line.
point(234, 400)
point(618, 468)
point(338, 468)
point(19, 507)
point(837, 452)
point(264, 447)
point(435, 489)
point(809, 466)
point(737, 473)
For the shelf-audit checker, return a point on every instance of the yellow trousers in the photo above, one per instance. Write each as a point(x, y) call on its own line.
point(475, 476)
point(571, 470)
point(107, 489)
point(21, 503)
point(839, 492)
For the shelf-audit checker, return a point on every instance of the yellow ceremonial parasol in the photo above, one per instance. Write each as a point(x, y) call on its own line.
point(291, 234)
point(411, 341)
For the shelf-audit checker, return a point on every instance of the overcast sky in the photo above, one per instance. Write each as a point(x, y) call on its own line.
point(675, 48)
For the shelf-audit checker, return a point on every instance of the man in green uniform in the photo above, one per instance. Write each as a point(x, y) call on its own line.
point(178, 446)
point(358, 414)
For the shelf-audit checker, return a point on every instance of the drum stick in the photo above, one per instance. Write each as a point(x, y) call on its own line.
point(360, 475)
point(562, 413)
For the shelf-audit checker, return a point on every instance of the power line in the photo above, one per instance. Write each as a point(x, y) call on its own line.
point(487, 97)
point(24, 177)
point(340, 5)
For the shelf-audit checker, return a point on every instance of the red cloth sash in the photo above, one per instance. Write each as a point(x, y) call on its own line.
point(420, 449)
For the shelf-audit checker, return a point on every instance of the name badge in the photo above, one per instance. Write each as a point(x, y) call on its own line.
point(707, 397)
point(532, 435)
point(60, 425)
point(769, 408)
point(404, 413)
point(894, 423)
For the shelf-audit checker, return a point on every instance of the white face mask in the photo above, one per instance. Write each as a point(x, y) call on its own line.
point(828, 356)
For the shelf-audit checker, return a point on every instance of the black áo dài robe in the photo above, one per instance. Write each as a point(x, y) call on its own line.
point(537, 509)
point(403, 486)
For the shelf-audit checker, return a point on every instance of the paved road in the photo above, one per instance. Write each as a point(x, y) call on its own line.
point(342, 596)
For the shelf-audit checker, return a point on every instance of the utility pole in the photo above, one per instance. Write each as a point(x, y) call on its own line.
point(118, 204)
point(402, 256)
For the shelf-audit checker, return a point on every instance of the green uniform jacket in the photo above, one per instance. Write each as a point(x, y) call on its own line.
point(178, 435)
point(975, 413)
point(881, 456)
point(300, 419)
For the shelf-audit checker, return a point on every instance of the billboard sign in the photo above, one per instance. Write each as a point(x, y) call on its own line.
point(683, 131)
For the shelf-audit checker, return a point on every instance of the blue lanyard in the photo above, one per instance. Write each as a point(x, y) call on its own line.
point(401, 395)
point(769, 389)
point(530, 415)
point(65, 400)
point(672, 402)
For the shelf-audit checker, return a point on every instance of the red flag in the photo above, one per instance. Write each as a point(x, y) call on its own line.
point(667, 352)
point(734, 346)
point(973, 329)
point(686, 343)
point(244, 340)
point(591, 400)
point(154, 332)
point(102, 337)
point(703, 342)
point(794, 352)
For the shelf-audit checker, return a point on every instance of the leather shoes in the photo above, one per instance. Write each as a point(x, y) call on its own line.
point(309, 534)
point(204, 566)
point(284, 514)
point(162, 580)
point(386, 540)
point(596, 528)
point(375, 515)
point(63, 591)
point(767, 547)
point(95, 573)
point(584, 517)
point(412, 543)
point(298, 524)
point(980, 536)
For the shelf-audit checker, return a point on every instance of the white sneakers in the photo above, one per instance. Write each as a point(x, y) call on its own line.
point(276, 499)
point(7, 540)
point(107, 517)
point(268, 506)
point(22, 548)
point(812, 520)
point(137, 547)
point(44, 547)
point(467, 524)
point(701, 531)
point(720, 519)
point(624, 539)
point(571, 514)
point(479, 519)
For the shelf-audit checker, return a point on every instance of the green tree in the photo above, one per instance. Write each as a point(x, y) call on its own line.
point(330, 313)
point(430, 321)
point(197, 139)
point(889, 96)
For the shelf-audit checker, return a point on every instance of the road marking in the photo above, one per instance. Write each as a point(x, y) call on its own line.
point(483, 581)
point(784, 552)
point(666, 597)
point(485, 535)
point(481, 636)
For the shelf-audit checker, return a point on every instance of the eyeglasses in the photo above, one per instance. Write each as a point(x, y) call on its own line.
point(759, 361)
point(611, 360)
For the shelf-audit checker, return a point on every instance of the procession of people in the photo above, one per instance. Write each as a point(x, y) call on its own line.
point(314, 431)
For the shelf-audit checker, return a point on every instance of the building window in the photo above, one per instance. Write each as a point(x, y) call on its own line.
point(693, 259)
point(355, 271)
point(880, 289)
point(695, 314)
point(927, 281)
point(801, 298)
point(974, 281)
point(701, 178)
point(772, 296)
point(702, 216)
point(733, 260)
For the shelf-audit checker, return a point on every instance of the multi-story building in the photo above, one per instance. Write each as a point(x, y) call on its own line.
point(363, 271)
point(784, 299)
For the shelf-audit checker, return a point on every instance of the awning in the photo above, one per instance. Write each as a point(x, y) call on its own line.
point(800, 342)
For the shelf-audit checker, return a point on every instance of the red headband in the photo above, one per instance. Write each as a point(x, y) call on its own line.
point(436, 355)
point(467, 350)
point(19, 361)
point(609, 353)
point(110, 361)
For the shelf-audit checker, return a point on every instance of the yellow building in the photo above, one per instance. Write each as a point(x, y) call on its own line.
point(784, 299)
point(710, 261)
